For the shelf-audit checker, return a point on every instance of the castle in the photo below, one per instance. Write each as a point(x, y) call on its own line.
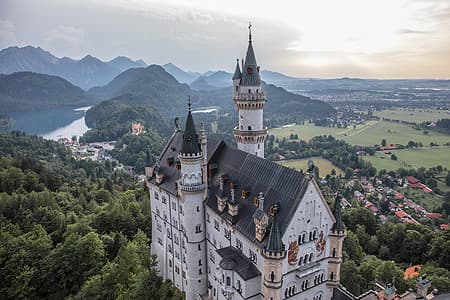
point(228, 224)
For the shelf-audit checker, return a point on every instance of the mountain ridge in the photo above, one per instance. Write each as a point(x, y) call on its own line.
point(85, 73)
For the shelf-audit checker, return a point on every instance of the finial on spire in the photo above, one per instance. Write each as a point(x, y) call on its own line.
point(189, 103)
point(249, 32)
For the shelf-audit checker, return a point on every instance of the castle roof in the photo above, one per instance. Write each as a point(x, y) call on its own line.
point(233, 259)
point(275, 244)
point(190, 137)
point(252, 173)
point(237, 72)
point(250, 70)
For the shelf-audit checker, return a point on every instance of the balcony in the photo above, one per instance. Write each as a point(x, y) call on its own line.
point(192, 187)
point(250, 133)
point(308, 269)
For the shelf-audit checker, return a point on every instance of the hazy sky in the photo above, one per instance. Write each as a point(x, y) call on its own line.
point(316, 38)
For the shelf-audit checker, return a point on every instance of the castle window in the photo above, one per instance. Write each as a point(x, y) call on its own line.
point(199, 271)
point(249, 128)
point(227, 233)
point(181, 210)
point(198, 228)
point(177, 269)
point(216, 225)
point(310, 257)
point(174, 206)
point(303, 237)
point(332, 276)
point(200, 262)
point(238, 244)
point(242, 127)
point(300, 260)
point(334, 252)
point(310, 236)
point(314, 234)
point(239, 288)
point(207, 218)
point(242, 117)
point(199, 247)
point(228, 281)
point(156, 195)
point(272, 276)
point(164, 200)
point(259, 146)
point(170, 263)
point(198, 208)
point(237, 87)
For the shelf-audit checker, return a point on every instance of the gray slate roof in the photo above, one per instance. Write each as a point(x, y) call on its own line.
point(190, 137)
point(233, 259)
point(254, 174)
point(250, 71)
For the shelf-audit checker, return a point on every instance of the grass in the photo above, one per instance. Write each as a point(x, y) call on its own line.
point(413, 115)
point(324, 165)
point(411, 158)
point(368, 134)
point(430, 201)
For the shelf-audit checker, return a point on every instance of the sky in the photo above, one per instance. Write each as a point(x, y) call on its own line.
point(303, 38)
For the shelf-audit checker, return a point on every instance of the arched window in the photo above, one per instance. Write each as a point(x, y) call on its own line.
point(249, 127)
point(228, 280)
point(310, 257)
point(310, 236)
point(334, 252)
point(332, 276)
point(272, 276)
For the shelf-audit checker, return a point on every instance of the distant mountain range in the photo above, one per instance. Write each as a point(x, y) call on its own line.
point(85, 73)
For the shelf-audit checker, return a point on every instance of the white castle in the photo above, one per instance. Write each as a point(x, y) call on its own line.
point(228, 224)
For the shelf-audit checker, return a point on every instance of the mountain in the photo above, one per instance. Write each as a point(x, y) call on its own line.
point(123, 63)
point(85, 73)
point(275, 77)
point(24, 91)
point(151, 85)
point(214, 80)
point(180, 75)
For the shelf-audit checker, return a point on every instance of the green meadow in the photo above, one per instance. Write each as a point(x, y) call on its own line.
point(324, 165)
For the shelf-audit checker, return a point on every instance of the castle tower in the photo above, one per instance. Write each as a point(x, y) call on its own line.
point(337, 236)
point(191, 189)
point(249, 98)
point(273, 254)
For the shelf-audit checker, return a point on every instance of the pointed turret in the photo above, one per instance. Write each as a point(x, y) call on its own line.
point(338, 226)
point(250, 70)
point(275, 244)
point(237, 72)
point(190, 138)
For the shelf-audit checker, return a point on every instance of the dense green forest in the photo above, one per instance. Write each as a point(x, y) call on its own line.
point(380, 252)
point(72, 229)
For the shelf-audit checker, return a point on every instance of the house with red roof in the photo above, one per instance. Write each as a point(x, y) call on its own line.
point(433, 215)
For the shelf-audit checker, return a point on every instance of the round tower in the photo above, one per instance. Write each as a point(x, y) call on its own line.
point(191, 187)
point(274, 253)
point(249, 97)
point(337, 236)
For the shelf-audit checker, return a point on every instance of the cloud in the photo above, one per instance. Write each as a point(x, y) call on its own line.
point(411, 31)
point(64, 37)
point(7, 34)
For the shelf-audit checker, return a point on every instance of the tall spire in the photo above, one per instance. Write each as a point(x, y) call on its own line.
point(338, 226)
point(250, 70)
point(275, 244)
point(190, 137)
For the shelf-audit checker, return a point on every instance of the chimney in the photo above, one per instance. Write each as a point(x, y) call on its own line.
point(221, 195)
point(233, 204)
point(260, 218)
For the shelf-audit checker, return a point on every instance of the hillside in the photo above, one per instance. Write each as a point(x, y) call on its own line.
point(85, 73)
point(151, 85)
point(25, 91)
point(111, 119)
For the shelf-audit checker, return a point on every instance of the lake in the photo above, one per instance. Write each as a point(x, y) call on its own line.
point(52, 124)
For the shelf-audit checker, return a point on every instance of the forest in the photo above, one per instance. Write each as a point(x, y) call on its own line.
point(72, 229)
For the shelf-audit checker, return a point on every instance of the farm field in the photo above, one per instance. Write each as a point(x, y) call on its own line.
point(324, 165)
point(413, 115)
point(411, 158)
point(368, 134)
